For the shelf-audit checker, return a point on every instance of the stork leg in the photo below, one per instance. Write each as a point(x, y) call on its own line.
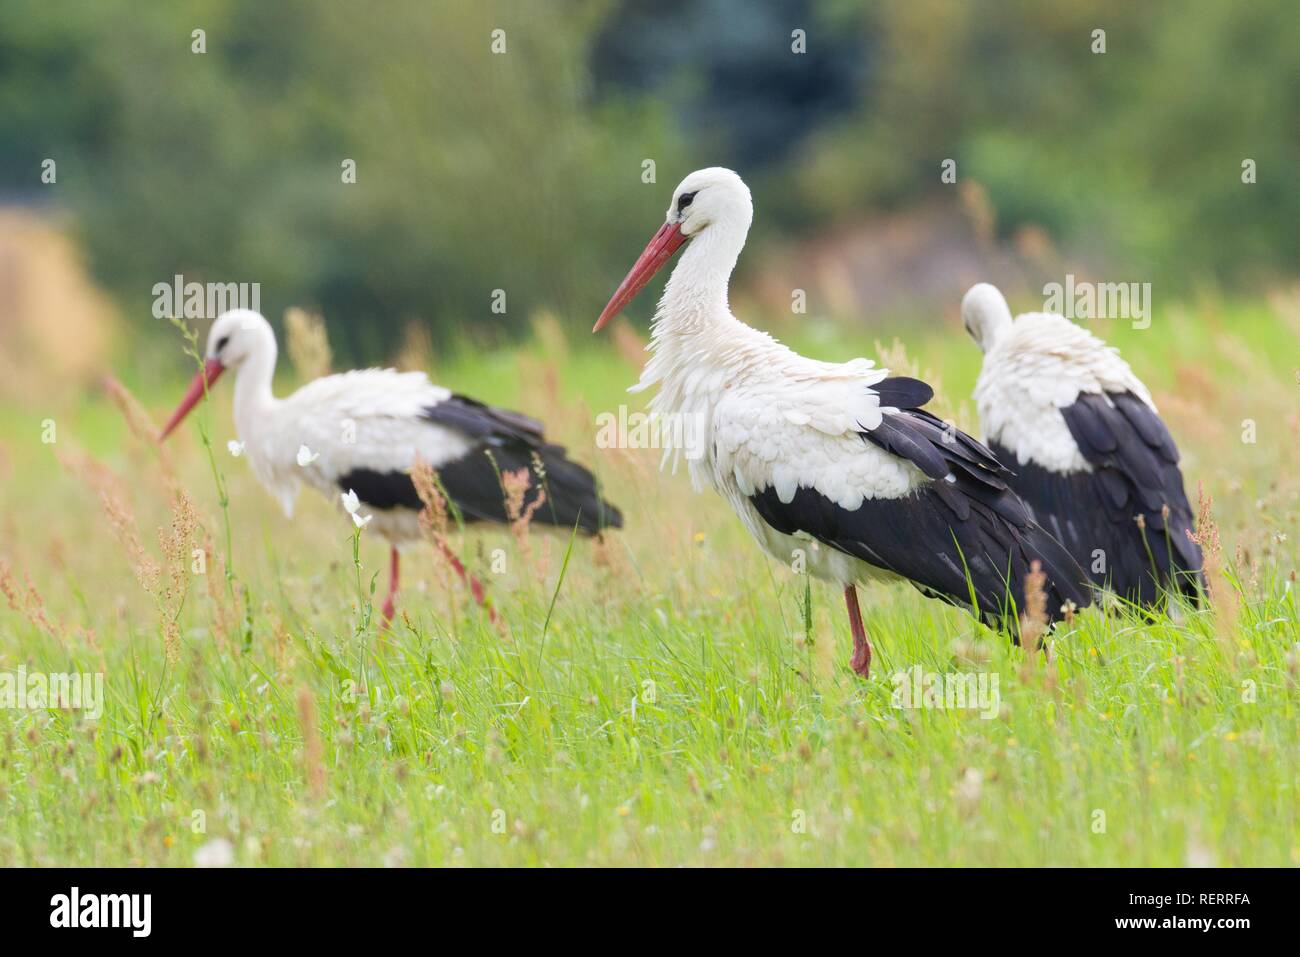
point(861, 660)
point(390, 602)
point(475, 586)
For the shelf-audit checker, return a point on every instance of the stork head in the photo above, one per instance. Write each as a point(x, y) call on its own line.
point(236, 337)
point(706, 200)
point(985, 314)
point(707, 197)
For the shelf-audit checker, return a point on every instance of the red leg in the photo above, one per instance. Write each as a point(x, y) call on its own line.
point(391, 600)
point(475, 586)
point(861, 660)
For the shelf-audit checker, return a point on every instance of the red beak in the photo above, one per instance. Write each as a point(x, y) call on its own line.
point(660, 249)
point(203, 380)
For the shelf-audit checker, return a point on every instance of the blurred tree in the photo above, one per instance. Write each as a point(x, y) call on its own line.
point(745, 88)
point(475, 171)
point(516, 176)
point(1135, 152)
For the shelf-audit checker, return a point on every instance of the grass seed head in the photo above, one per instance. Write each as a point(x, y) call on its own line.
point(433, 517)
point(1033, 620)
point(308, 344)
point(313, 751)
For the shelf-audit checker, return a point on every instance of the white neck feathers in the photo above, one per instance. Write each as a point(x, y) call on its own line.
point(253, 398)
point(693, 326)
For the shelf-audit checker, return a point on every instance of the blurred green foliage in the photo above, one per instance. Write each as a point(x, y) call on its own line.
point(1137, 150)
point(522, 171)
point(475, 171)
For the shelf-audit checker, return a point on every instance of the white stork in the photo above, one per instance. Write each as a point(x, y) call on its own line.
point(838, 453)
point(1092, 459)
point(355, 436)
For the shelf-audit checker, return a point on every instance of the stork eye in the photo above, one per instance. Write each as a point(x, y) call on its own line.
point(221, 343)
point(685, 200)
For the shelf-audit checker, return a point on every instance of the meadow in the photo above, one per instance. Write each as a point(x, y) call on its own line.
point(665, 696)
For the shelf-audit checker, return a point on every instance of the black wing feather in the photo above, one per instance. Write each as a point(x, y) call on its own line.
point(963, 531)
point(1095, 514)
point(901, 392)
point(947, 552)
point(478, 420)
point(505, 442)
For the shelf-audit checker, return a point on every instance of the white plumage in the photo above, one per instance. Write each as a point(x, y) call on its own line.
point(1035, 365)
point(355, 436)
point(369, 419)
point(804, 449)
point(1093, 460)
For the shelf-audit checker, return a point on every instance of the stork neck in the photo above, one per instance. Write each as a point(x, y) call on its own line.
point(693, 328)
point(695, 297)
point(253, 398)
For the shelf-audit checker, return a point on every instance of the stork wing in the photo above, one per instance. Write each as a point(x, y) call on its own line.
point(1135, 465)
point(563, 492)
point(478, 420)
point(370, 427)
point(956, 530)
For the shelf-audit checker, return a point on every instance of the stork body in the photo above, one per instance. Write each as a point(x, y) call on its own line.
point(359, 433)
point(836, 454)
point(1092, 458)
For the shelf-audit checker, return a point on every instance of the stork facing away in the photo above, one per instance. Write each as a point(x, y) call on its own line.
point(1092, 458)
point(838, 454)
point(355, 437)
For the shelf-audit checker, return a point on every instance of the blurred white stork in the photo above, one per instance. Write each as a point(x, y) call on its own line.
point(355, 436)
point(837, 453)
point(1092, 458)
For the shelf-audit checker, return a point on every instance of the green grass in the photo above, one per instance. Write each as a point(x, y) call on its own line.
point(666, 703)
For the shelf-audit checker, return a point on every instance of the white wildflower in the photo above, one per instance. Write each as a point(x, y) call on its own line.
point(218, 852)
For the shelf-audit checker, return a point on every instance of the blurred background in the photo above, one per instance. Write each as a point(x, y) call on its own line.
point(525, 170)
point(531, 147)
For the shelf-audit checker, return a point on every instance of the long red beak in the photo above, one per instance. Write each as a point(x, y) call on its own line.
point(660, 249)
point(203, 379)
